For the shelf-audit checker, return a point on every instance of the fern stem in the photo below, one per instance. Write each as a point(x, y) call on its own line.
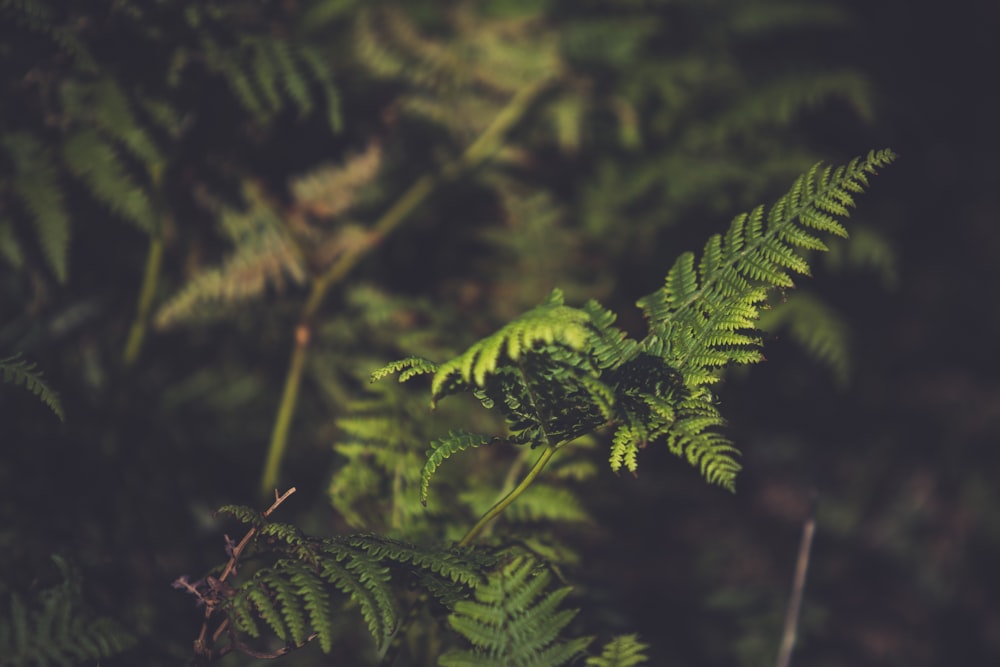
point(286, 410)
point(484, 147)
point(151, 276)
point(504, 502)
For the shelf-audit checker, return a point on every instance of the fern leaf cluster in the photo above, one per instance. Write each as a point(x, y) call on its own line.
point(299, 594)
point(53, 628)
point(558, 372)
point(515, 620)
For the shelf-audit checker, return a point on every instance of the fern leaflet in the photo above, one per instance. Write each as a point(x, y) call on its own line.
point(514, 621)
point(18, 371)
point(54, 627)
point(442, 449)
point(622, 651)
point(36, 184)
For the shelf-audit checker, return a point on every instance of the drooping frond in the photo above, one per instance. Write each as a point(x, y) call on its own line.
point(515, 621)
point(18, 371)
point(622, 651)
point(54, 628)
point(442, 449)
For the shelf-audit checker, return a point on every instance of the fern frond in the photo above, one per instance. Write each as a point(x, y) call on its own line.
point(105, 106)
point(365, 580)
point(622, 651)
point(444, 448)
point(10, 248)
point(264, 255)
point(514, 621)
point(552, 322)
point(321, 70)
point(18, 371)
point(330, 190)
point(625, 448)
point(407, 368)
point(696, 314)
point(54, 627)
point(97, 163)
point(245, 515)
point(314, 598)
point(36, 185)
point(300, 595)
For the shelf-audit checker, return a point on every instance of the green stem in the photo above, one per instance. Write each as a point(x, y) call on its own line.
point(484, 147)
point(137, 332)
point(286, 410)
point(504, 502)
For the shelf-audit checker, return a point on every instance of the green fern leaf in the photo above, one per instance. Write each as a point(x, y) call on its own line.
point(549, 323)
point(54, 627)
point(625, 449)
point(18, 371)
point(514, 622)
point(622, 651)
point(245, 515)
point(97, 163)
point(36, 184)
point(407, 368)
point(320, 69)
point(10, 247)
point(104, 105)
point(442, 449)
point(316, 601)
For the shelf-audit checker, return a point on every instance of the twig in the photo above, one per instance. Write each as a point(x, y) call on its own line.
point(798, 588)
point(202, 649)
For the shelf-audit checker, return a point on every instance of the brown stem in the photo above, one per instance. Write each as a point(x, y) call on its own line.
point(798, 589)
point(202, 648)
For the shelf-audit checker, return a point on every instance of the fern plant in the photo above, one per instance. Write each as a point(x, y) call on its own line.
point(555, 374)
point(558, 372)
point(53, 627)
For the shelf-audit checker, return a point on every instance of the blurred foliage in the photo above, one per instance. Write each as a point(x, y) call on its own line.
point(255, 150)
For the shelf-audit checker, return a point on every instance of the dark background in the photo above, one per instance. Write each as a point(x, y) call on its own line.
point(902, 461)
